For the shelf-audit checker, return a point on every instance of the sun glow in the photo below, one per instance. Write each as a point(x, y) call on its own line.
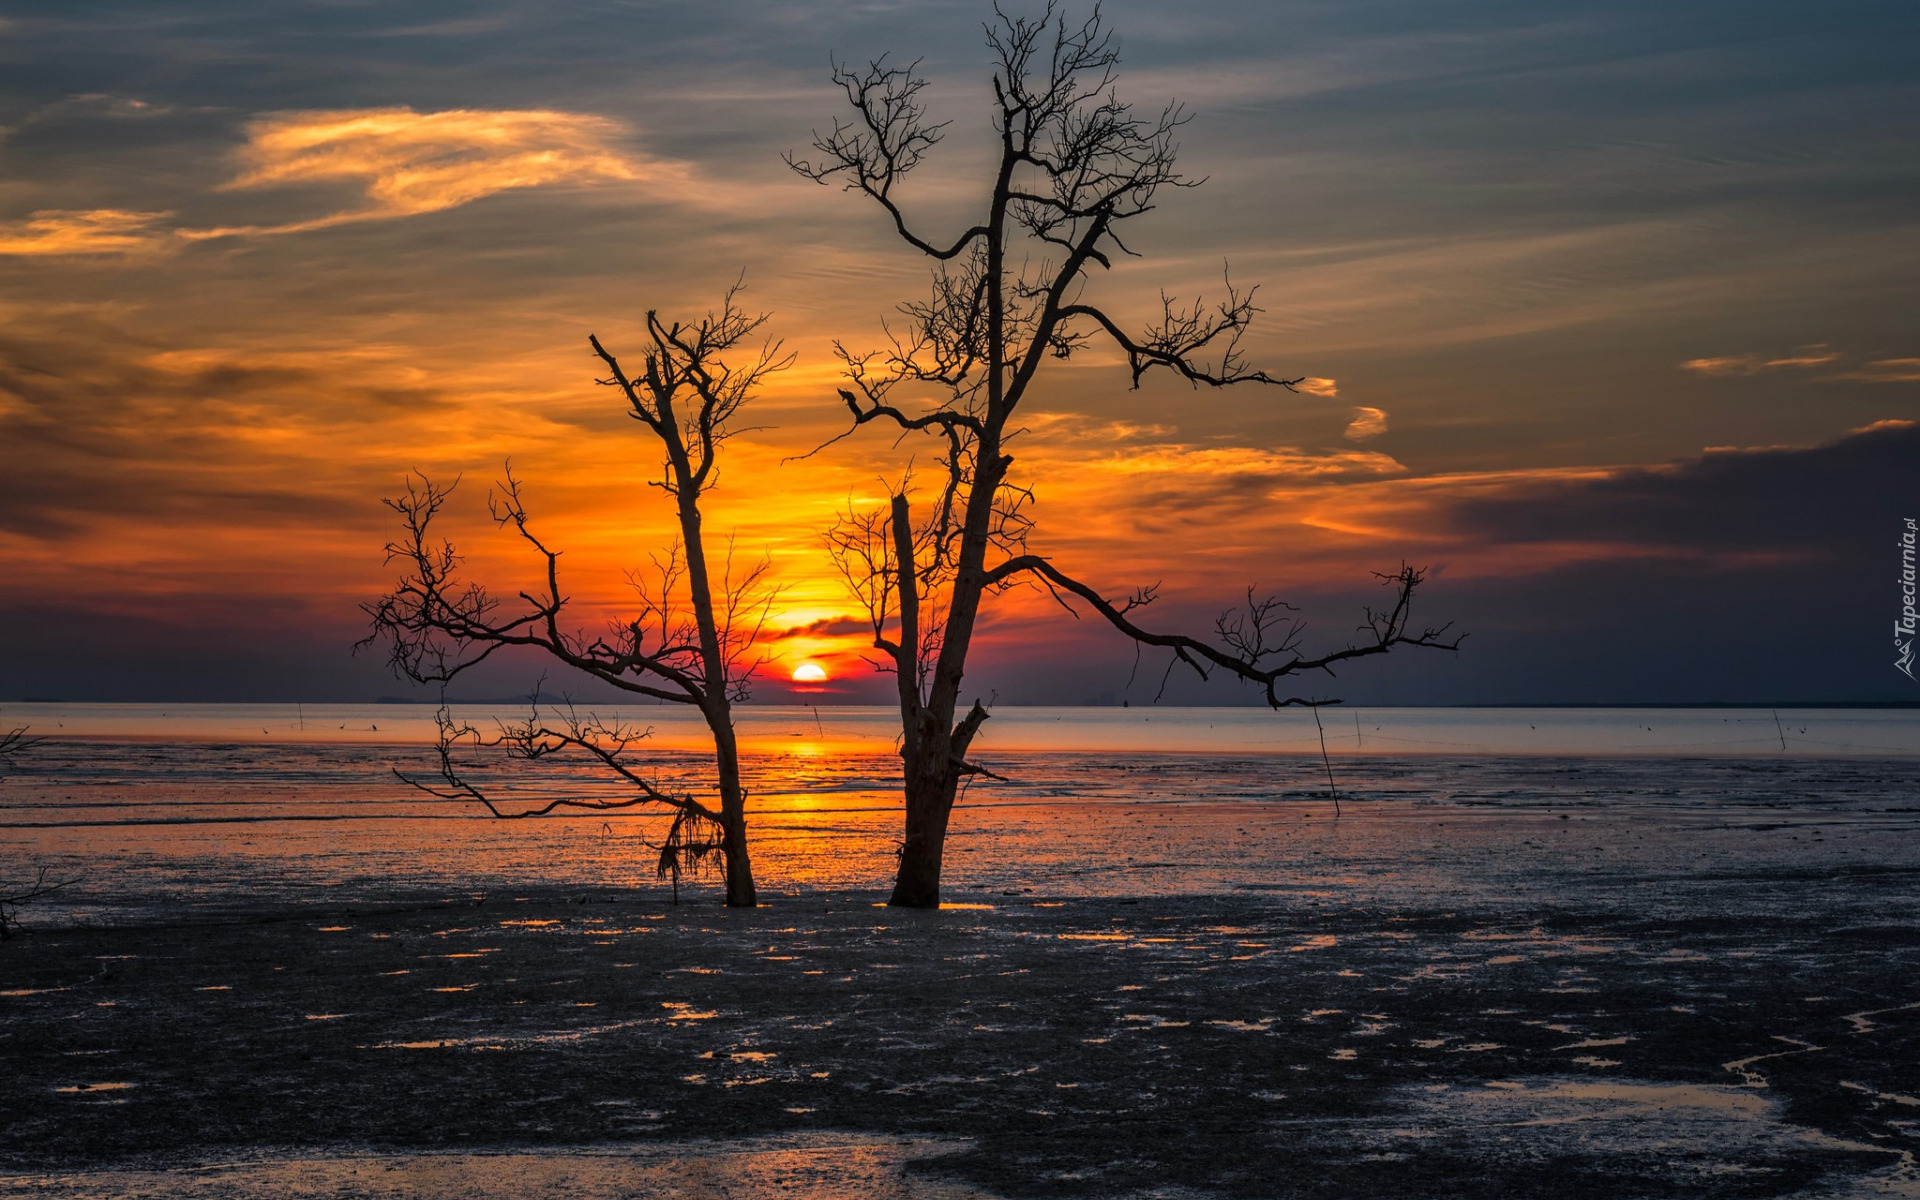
point(809, 672)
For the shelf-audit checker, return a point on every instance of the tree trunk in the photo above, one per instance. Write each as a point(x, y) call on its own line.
point(930, 796)
point(934, 746)
point(733, 808)
point(740, 890)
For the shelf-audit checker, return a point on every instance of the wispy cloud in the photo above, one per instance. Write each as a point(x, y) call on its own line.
point(1805, 358)
point(408, 163)
point(404, 163)
point(51, 232)
point(1884, 370)
point(101, 104)
point(1366, 423)
point(1216, 462)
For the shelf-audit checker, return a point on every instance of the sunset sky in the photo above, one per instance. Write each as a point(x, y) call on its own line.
point(1607, 312)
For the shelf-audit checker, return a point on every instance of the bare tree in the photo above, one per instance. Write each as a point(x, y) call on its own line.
point(1074, 164)
point(10, 904)
point(691, 639)
point(15, 743)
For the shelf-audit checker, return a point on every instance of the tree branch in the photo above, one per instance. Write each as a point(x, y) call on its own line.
point(1247, 643)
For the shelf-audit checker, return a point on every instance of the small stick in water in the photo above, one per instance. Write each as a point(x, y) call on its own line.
point(1777, 729)
point(1331, 789)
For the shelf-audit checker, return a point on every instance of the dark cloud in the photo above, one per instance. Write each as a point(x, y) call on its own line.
point(198, 649)
point(822, 628)
point(1743, 575)
point(1801, 502)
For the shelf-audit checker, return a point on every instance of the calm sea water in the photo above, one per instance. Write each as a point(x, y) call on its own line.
point(168, 811)
point(763, 729)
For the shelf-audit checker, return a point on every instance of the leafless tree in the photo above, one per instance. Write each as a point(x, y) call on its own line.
point(11, 903)
point(690, 639)
point(1073, 165)
point(14, 743)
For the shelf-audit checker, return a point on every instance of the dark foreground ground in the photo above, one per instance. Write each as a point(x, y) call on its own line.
point(1240, 1046)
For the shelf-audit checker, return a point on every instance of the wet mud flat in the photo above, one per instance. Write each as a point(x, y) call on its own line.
point(1762, 1040)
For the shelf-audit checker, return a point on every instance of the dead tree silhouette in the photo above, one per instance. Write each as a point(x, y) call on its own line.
point(10, 904)
point(1073, 164)
point(15, 743)
point(691, 641)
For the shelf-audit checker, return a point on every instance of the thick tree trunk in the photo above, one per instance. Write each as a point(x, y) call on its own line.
point(717, 706)
point(733, 809)
point(934, 746)
point(740, 889)
point(930, 797)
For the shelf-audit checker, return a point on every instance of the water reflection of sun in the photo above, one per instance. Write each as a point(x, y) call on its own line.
point(809, 672)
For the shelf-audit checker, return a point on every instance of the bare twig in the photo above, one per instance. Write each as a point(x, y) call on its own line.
point(1332, 791)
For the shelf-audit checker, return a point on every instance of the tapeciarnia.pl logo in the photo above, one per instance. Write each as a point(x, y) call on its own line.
point(1903, 628)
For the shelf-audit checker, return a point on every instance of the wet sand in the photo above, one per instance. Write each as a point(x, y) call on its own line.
point(1174, 977)
point(1225, 1045)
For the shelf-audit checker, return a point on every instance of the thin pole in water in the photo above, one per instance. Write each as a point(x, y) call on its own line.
point(1357, 743)
point(1328, 762)
point(1778, 729)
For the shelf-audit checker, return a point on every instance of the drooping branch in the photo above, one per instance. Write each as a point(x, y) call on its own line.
point(694, 838)
point(1264, 630)
point(1182, 335)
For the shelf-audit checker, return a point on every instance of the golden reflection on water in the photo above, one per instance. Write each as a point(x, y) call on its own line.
point(242, 824)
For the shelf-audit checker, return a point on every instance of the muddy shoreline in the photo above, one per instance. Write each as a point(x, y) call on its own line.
point(1236, 1045)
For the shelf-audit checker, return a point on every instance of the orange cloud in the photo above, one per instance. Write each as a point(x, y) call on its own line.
point(1885, 370)
point(1366, 423)
point(1215, 461)
point(83, 231)
point(408, 163)
point(1753, 364)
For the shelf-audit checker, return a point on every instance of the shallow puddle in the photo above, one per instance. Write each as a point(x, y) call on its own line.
point(1684, 1133)
point(822, 1167)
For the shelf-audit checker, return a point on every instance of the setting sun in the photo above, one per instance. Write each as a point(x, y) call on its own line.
point(809, 672)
